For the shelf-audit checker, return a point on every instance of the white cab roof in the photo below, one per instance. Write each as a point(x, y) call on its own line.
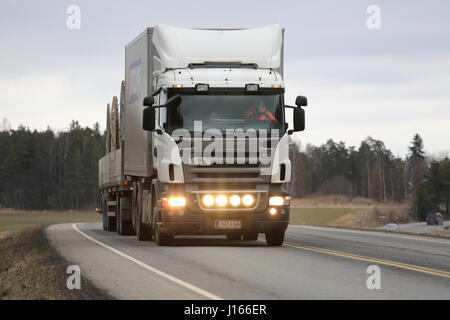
point(179, 47)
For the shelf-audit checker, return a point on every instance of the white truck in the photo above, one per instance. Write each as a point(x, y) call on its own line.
point(201, 145)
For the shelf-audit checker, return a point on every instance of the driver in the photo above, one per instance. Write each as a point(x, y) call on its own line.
point(259, 112)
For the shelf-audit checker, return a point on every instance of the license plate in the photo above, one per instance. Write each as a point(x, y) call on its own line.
point(227, 224)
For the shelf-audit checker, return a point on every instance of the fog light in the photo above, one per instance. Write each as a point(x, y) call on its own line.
point(235, 200)
point(208, 200)
point(248, 200)
point(273, 211)
point(221, 201)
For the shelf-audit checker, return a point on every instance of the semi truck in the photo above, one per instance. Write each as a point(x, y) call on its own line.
point(198, 142)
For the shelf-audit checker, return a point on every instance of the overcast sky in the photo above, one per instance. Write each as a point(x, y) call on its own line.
point(388, 83)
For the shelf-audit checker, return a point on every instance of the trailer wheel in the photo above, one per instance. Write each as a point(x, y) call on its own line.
point(112, 224)
point(105, 215)
point(124, 227)
point(275, 238)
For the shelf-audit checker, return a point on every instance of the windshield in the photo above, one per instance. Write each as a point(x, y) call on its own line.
point(226, 111)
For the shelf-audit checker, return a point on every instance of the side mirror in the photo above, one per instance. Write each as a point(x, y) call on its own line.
point(301, 101)
point(148, 101)
point(299, 119)
point(148, 118)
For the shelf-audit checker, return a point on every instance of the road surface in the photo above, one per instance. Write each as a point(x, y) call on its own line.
point(421, 227)
point(314, 263)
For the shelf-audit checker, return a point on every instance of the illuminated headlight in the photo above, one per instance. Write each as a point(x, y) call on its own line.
point(221, 200)
point(248, 200)
point(273, 211)
point(251, 87)
point(276, 201)
point(202, 87)
point(177, 202)
point(235, 200)
point(208, 201)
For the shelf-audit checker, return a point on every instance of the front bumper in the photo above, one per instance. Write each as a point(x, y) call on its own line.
point(183, 222)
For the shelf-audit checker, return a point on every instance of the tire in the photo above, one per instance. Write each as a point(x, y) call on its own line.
point(250, 236)
point(105, 215)
point(118, 219)
point(275, 238)
point(112, 225)
point(162, 239)
point(143, 231)
point(124, 227)
point(234, 236)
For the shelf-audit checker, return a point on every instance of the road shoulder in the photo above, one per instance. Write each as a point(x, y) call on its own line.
point(111, 272)
point(31, 269)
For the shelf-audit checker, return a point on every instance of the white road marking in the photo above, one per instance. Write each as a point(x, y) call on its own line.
point(152, 269)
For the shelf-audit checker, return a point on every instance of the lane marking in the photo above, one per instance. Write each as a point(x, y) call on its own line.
point(435, 241)
point(149, 268)
point(370, 233)
point(400, 265)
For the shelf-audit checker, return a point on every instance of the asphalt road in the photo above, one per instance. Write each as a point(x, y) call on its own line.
point(421, 227)
point(314, 263)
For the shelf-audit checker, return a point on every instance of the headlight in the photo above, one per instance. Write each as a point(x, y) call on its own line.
point(177, 202)
point(276, 201)
point(248, 200)
point(208, 200)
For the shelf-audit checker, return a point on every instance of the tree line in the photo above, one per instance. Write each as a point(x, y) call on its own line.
point(372, 171)
point(43, 170)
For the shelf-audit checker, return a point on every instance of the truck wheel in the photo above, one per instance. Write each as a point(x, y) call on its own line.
point(275, 238)
point(162, 239)
point(124, 227)
point(143, 231)
point(234, 236)
point(250, 236)
point(112, 226)
point(105, 215)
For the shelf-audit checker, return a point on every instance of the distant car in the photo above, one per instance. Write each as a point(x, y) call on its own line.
point(391, 226)
point(435, 218)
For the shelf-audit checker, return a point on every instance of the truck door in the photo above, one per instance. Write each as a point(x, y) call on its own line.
point(161, 118)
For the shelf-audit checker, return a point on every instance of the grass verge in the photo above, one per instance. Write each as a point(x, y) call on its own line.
point(11, 220)
point(341, 211)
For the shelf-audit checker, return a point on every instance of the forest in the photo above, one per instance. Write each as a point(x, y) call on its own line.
point(45, 170)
